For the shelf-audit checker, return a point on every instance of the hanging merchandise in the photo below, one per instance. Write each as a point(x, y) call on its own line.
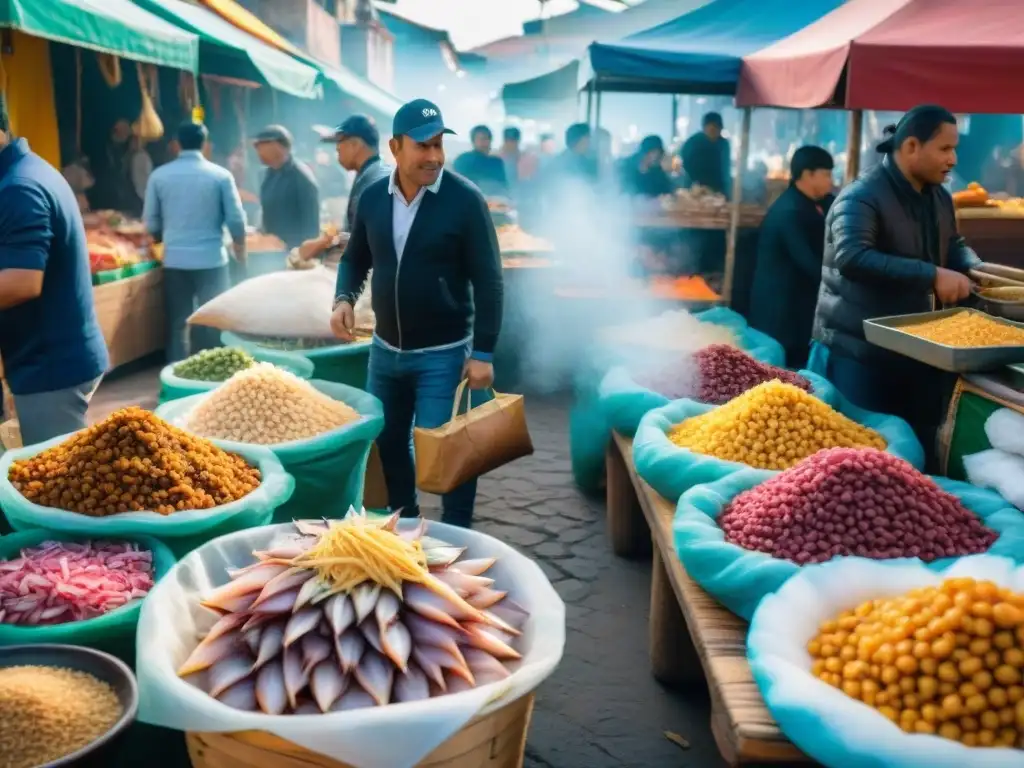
point(110, 68)
point(149, 126)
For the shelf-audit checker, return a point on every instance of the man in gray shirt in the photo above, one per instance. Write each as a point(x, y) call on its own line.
point(189, 203)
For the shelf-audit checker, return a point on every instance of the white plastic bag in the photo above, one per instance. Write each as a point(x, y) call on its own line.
point(1005, 431)
point(1001, 471)
point(828, 725)
point(291, 304)
point(396, 736)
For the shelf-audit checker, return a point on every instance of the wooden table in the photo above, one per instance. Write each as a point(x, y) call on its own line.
point(692, 636)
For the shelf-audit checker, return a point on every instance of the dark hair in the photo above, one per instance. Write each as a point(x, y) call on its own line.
point(651, 143)
point(477, 130)
point(513, 134)
point(712, 118)
point(547, 137)
point(575, 133)
point(192, 136)
point(922, 122)
point(809, 158)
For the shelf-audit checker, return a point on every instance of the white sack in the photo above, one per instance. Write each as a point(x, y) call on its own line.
point(396, 736)
point(291, 304)
point(1005, 431)
point(1001, 471)
point(828, 725)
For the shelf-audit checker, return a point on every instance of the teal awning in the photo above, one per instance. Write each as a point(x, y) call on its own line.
point(116, 27)
point(276, 68)
point(363, 90)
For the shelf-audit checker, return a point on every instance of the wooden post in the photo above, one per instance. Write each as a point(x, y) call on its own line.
point(674, 660)
point(597, 111)
point(675, 118)
point(734, 208)
point(853, 140)
point(590, 103)
point(628, 531)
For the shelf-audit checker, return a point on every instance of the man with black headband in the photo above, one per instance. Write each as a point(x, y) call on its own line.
point(892, 248)
point(52, 348)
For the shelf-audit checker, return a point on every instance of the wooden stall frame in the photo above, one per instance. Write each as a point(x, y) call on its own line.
point(734, 207)
point(692, 636)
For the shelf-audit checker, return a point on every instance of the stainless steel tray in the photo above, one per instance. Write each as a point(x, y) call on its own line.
point(886, 332)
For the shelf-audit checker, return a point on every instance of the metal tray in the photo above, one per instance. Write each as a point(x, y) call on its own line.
point(885, 332)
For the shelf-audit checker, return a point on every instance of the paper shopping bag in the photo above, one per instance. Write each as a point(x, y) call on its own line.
point(471, 444)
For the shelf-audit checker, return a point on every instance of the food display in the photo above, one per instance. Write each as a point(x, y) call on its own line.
point(266, 405)
point(513, 239)
point(49, 712)
point(58, 582)
point(973, 197)
point(257, 242)
point(133, 461)
point(1003, 293)
point(967, 329)
point(218, 364)
point(113, 222)
point(676, 330)
point(946, 660)
point(110, 251)
point(726, 372)
point(352, 614)
point(772, 426)
point(685, 288)
point(853, 501)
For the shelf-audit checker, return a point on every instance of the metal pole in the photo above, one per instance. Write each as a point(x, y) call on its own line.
point(853, 141)
point(675, 118)
point(590, 103)
point(597, 111)
point(734, 208)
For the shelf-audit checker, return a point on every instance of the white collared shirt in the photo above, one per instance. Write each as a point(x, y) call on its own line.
point(404, 213)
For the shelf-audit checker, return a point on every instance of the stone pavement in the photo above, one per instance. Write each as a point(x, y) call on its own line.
point(601, 708)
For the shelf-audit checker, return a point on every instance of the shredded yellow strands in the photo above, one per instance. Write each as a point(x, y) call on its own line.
point(354, 551)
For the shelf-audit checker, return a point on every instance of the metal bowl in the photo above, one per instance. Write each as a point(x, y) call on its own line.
point(102, 666)
point(1011, 310)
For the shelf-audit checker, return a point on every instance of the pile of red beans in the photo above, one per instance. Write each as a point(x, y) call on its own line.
point(853, 501)
point(726, 372)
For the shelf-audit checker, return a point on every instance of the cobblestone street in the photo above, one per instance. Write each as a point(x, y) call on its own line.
point(601, 708)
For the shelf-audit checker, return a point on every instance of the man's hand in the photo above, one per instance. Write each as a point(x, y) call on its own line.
point(951, 287)
point(343, 321)
point(479, 373)
point(241, 253)
point(310, 249)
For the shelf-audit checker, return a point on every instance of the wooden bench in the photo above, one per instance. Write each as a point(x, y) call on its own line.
point(692, 636)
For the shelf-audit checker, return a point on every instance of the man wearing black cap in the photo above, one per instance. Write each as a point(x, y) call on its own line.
point(437, 296)
point(705, 157)
point(289, 196)
point(52, 347)
point(642, 173)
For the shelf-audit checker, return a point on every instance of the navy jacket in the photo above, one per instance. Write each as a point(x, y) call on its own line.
point(486, 171)
point(54, 341)
point(448, 285)
point(290, 199)
point(372, 170)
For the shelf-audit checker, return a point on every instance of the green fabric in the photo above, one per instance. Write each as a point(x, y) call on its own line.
point(113, 632)
point(969, 431)
point(117, 27)
point(342, 364)
point(330, 469)
point(218, 37)
point(363, 90)
point(174, 387)
point(182, 531)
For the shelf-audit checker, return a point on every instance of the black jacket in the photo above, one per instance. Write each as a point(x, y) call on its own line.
point(448, 284)
point(883, 242)
point(706, 162)
point(486, 171)
point(372, 170)
point(290, 199)
point(784, 293)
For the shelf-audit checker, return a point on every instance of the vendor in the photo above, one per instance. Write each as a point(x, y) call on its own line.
point(480, 166)
point(706, 157)
point(357, 141)
point(438, 319)
point(128, 169)
point(892, 248)
point(790, 248)
point(52, 347)
point(642, 173)
point(289, 195)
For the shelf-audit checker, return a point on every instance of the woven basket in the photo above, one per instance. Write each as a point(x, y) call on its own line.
point(495, 741)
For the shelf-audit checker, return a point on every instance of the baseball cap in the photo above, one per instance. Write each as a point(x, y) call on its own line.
point(358, 126)
point(275, 133)
point(420, 120)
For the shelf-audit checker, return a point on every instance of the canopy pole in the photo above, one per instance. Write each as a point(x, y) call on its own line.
point(597, 111)
point(675, 118)
point(590, 103)
point(734, 208)
point(854, 135)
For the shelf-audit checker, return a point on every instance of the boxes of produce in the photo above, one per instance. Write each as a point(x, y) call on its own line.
point(320, 431)
point(770, 427)
point(133, 473)
point(367, 642)
point(955, 340)
point(743, 536)
point(866, 664)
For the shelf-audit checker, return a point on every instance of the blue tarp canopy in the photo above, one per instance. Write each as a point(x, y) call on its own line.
point(699, 52)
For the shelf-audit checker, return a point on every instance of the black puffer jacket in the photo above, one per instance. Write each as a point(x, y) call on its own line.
point(881, 254)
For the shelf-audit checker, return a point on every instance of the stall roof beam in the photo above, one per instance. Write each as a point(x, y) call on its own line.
point(116, 27)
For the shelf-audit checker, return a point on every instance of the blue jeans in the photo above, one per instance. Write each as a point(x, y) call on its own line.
point(417, 386)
